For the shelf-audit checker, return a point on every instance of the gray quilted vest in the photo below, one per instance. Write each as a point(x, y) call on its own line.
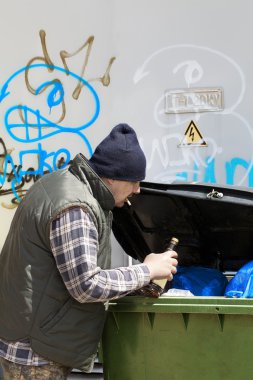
point(34, 302)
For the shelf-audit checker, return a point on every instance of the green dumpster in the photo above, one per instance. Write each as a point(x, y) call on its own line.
point(178, 339)
point(183, 338)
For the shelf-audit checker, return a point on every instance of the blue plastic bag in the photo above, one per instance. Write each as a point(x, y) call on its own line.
point(200, 281)
point(241, 285)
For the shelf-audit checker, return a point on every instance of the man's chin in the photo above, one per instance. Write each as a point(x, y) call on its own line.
point(121, 204)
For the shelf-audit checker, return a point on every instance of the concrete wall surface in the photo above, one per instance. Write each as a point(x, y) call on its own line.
point(180, 72)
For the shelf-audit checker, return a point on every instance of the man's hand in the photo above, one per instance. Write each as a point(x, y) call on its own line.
point(162, 265)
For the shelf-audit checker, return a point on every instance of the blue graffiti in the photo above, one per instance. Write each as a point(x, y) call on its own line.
point(42, 122)
point(58, 88)
point(42, 165)
point(231, 168)
point(18, 174)
point(41, 128)
point(210, 171)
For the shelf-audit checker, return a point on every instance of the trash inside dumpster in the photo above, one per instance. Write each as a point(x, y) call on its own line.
point(181, 335)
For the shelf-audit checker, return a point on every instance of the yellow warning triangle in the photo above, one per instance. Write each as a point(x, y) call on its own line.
point(192, 136)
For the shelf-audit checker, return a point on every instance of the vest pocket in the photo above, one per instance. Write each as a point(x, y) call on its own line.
point(53, 320)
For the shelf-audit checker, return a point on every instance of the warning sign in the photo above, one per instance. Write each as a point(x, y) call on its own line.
point(192, 137)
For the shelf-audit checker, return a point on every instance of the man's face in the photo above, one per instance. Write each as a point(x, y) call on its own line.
point(122, 190)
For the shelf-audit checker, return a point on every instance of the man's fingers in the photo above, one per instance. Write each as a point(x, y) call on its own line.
point(172, 254)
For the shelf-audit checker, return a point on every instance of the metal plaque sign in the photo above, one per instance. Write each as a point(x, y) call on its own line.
point(194, 100)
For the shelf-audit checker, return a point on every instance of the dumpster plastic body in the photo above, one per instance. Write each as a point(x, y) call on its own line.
point(179, 338)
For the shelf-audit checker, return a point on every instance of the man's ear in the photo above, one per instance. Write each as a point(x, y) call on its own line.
point(110, 181)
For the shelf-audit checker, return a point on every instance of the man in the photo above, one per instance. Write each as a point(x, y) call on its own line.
point(55, 275)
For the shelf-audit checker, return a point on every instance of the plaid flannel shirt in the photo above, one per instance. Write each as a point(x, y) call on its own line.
point(74, 244)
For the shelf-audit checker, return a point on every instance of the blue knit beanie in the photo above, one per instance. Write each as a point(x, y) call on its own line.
point(119, 156)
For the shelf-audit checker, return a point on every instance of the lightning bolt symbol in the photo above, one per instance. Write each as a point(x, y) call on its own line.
point(191, 134)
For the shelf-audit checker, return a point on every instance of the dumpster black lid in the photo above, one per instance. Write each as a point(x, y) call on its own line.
point(214, 224)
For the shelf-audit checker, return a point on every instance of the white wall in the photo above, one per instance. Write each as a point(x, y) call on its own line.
point(159, 45)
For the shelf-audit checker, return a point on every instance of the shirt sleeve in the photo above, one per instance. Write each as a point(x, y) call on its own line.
point(74, 244)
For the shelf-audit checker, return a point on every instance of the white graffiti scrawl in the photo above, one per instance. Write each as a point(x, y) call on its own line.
point(228, 157)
